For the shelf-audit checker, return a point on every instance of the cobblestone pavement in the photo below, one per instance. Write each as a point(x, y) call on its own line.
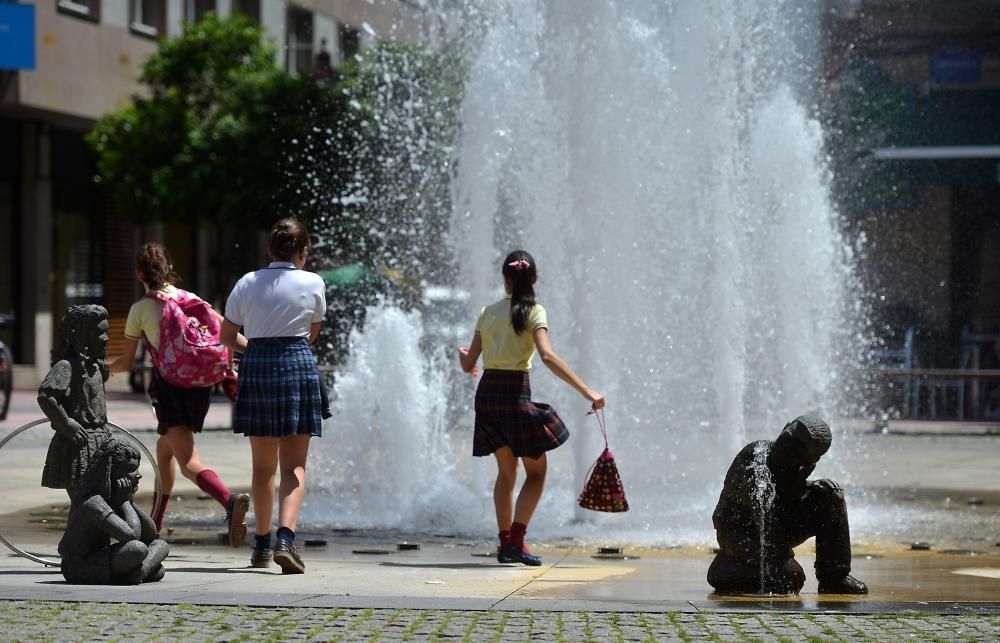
point(59, 621)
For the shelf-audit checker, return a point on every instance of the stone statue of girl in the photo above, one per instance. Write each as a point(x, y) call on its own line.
point(72, 395)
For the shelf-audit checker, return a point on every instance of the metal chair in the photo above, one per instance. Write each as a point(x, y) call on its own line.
point(901, 358)
point(938, 386)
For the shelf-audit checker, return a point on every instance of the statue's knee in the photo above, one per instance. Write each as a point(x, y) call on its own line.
point(726, 574)
point(793, 572)
point(785, 576)
point(828, 489)
point(128, 556)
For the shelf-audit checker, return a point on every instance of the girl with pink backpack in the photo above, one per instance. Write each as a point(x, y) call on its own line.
point(182, 333)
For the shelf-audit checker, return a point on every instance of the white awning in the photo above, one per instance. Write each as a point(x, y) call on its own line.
point(932, 153)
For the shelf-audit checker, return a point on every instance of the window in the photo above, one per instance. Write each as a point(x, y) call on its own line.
point(195, 10)
point(89, 9)
point(300, 45)
point(350, 42)
point(249, 8)
point(149, 17)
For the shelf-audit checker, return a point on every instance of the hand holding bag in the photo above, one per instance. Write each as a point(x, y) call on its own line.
point(603, 490)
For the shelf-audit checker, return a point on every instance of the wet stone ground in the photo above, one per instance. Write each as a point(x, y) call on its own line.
point(58, 621)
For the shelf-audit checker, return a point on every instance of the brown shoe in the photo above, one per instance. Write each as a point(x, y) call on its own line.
point(236, 518)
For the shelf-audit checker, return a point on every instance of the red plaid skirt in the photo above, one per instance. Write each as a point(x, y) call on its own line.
point(506, 417)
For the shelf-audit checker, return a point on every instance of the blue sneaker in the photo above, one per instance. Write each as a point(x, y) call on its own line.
point(511, 554)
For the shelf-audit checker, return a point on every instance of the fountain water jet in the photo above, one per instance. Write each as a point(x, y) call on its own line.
point(655, 160)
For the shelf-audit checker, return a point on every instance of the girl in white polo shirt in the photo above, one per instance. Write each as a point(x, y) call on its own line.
point(280, 401)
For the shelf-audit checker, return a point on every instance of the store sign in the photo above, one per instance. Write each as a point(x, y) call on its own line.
point(950, 66)
point(17, 36)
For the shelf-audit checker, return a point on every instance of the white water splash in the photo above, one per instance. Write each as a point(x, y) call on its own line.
point(764, 493)
point(655, 160)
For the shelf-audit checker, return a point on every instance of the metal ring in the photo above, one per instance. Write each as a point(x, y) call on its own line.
point(157, 484)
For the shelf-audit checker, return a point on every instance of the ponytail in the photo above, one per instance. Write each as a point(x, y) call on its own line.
point(519, 269)
point(155, 266)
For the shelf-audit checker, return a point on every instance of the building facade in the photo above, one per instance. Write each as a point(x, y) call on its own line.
point(934, 233)
point(61, 242)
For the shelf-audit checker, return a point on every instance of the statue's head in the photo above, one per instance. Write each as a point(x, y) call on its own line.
point(112, 472)
point(802, 442)
point(83, 332)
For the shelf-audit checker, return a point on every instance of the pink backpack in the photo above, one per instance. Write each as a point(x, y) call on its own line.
point(190, 353)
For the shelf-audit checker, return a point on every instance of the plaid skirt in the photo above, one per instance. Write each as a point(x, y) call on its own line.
point(279, 391)
point(506, 417)
point(177, 406)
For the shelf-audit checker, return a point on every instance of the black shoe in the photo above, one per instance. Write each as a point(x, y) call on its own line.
point(236, 518)
point(261, 557)
point(287, 557)
point(510, 554)
point(846, 585)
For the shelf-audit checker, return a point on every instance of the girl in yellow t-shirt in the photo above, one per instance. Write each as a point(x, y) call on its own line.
point(508, 424)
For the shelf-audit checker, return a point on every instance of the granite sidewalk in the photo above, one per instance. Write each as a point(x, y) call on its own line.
point(359, 587)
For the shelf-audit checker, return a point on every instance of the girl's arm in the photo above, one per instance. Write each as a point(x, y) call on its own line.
point(314, 332)
point(562, 369)
point(124, 362)
point(231, 336)
point(229, 353)
point(469, 356)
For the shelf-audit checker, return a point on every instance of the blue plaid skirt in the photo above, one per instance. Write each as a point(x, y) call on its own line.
point(279, 391)
point(506, 416)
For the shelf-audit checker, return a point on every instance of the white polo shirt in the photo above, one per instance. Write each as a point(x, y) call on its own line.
point(277, 301)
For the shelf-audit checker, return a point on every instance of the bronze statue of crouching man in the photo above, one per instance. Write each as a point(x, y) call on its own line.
point(768, 506)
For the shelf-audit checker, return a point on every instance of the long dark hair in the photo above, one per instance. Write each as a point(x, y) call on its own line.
point(519, 269)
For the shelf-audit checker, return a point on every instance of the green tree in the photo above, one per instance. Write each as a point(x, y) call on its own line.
point(213, 138)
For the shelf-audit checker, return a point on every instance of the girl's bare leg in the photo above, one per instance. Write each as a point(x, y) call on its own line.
point(165, 462)
point(531, 490)
point(181, 439)
point(503, 490)
point(292, 457)
point(265, 464)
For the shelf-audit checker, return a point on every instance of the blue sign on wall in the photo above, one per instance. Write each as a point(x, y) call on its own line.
point(955, 66)
point(17, 36)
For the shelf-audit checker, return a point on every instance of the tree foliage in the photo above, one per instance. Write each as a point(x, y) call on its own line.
point(221, 134)
point(209, 137)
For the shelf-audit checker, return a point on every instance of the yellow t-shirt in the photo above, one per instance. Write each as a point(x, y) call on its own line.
point(503, 349)
point(144, 317)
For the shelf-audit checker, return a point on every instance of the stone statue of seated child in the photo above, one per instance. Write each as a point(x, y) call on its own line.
point(103, 510)
point(768, 506)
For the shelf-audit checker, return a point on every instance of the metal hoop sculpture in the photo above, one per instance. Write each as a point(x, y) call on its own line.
point(157, 484)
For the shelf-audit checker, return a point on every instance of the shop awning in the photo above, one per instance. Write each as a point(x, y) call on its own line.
point(937, 152)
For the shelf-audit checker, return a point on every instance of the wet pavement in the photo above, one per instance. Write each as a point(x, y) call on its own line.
point(450, 587)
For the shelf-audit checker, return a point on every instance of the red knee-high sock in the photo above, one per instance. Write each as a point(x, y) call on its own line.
point(517, 531)
point(210, 484)
point(158, 518)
